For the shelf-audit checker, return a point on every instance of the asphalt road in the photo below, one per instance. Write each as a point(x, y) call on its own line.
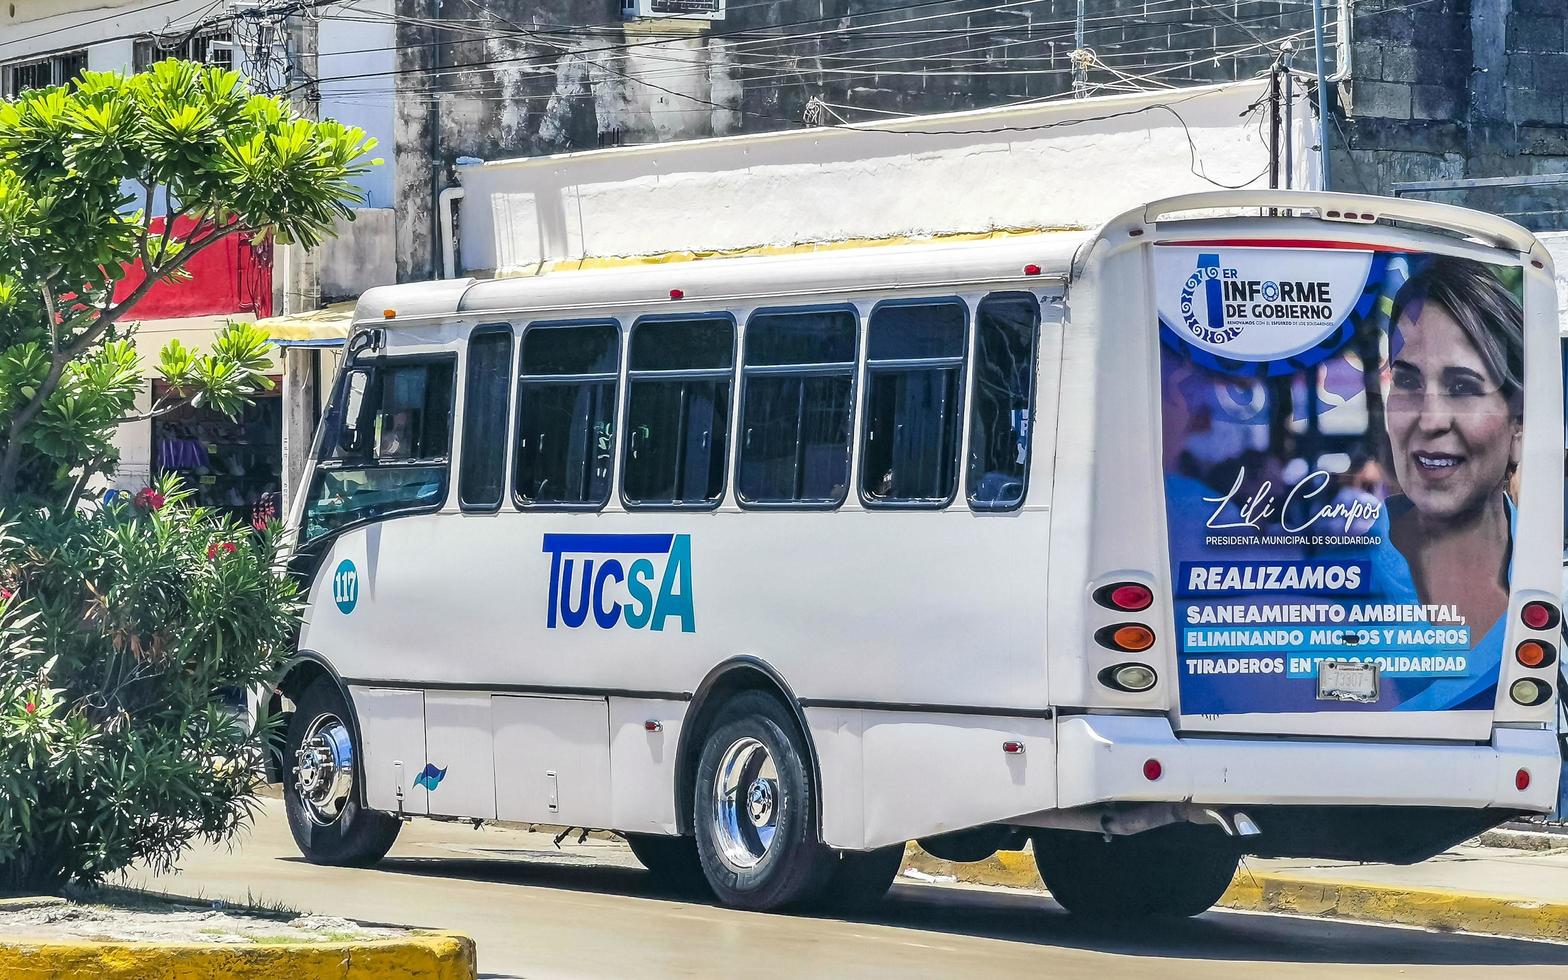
point(590, 911)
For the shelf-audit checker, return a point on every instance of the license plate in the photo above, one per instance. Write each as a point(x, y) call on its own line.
point(1340, 680)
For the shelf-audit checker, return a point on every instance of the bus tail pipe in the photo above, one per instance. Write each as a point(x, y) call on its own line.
point(1237, 824)
point(1126, 819)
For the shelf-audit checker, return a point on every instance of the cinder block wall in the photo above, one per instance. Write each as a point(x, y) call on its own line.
point(1455, 89)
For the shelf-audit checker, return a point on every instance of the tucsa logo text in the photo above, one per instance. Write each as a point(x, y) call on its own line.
point(640, 580)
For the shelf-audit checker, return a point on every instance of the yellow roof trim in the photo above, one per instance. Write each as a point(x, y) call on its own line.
point(807, 248)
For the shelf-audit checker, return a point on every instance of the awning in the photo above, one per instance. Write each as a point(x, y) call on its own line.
point(326, 327)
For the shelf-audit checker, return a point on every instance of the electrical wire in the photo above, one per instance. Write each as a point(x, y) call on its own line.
point(488, 64)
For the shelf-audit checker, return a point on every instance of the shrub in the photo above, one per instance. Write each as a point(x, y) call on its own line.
point(119, 626)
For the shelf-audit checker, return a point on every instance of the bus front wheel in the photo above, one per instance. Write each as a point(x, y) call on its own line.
point(321, 768)
point(1178, 870)
point(754, 809)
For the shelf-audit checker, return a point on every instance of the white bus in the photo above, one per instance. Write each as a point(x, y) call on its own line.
point(1228, 529)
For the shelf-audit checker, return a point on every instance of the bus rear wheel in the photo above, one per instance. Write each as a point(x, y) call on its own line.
point(320, 795)
point(1179, 870)
point(754, 809)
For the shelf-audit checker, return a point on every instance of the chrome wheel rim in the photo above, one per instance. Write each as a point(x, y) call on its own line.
point(746, 803)
point(324, 769)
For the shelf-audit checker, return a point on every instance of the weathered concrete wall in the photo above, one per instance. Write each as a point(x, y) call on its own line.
point(361, 256)
point(524, 78)
point(1456, 89)
point(952, 173)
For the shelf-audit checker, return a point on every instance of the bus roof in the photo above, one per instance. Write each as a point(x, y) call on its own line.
point(795, 273)
point(835, 270)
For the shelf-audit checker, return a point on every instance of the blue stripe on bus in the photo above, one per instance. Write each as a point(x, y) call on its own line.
point(608, 544)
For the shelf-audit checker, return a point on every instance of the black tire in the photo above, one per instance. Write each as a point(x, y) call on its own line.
point(794, 866)
point(354, 837)
point(672, 860)
point(1178, 870)
point(862, 878)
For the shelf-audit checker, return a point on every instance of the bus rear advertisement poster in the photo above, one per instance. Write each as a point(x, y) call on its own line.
point(1341, 442)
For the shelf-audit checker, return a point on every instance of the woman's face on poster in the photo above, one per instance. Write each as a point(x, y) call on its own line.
point(1450, 429)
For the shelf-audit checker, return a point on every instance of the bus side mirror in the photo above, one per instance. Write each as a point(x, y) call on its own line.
point(353, 437)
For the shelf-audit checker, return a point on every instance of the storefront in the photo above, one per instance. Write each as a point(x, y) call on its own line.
point(233, 465)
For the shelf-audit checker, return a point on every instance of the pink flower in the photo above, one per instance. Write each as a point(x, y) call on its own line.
point(149, 499)
point(5, 595)
point(220, 548)
point(31, 707)
point(259, 524)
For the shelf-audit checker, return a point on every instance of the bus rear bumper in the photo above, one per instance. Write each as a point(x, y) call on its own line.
point(1102, 760)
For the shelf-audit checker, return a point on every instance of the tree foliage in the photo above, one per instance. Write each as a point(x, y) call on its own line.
point(83, 170)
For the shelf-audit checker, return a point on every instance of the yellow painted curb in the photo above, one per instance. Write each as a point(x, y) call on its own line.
point(422, 956)
point(1010, 869)
point(1427, 908)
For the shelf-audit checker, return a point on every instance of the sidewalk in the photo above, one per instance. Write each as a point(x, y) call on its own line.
point(1540, 876)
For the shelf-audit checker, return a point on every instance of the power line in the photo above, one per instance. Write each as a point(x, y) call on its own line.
point(736, 47)
point(711, 37)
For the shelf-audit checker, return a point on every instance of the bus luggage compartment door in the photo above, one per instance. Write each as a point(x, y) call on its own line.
point(392, 739)
point(552, 760)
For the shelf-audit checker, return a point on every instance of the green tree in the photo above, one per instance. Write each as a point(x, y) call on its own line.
point(82, 168)
point(121, 624)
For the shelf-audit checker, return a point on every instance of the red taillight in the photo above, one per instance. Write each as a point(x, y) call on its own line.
point(1031, 270)
point(1131, 597)
point(677, 294)
point(1539, 615)
point(1152, 769)
point(1013, 748)
point(1522, 780)
point(1126, 596)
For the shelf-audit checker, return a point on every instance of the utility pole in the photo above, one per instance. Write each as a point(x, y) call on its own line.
point(1080, 58)
point(1274, 127)
point(1323, 99)
point(1289, 52)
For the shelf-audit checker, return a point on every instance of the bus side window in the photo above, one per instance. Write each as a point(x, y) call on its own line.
point(914, 384)
point(1006, 330)
point(566, 414)
point(677, 411)
point(799, 370)
point(390, 444)
point(486, 398)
